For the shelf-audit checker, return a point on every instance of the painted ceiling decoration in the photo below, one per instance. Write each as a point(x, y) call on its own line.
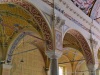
point(95, 14)
point(70, 41)
point(14, 19)
point(85, 5)
point(89, 7)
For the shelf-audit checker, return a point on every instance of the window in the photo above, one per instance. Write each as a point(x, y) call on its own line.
point(62, 70)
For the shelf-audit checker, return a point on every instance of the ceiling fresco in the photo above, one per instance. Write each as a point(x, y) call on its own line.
point(70, 41)
point(95, 14)
point(85, 5)
point(14, 20)
point(89, 7)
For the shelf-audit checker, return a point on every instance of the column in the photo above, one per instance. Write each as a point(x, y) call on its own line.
point(92, 70)
point(97, 72)
point(54, 67)
point(54, 55)
point(6, 69)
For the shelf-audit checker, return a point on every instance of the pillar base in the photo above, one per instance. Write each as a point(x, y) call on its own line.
point(6, 69)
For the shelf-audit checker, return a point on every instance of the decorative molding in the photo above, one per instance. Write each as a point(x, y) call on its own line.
point(49, 3)
point(7, 1)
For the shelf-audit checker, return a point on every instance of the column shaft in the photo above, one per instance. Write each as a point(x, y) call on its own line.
point(6, 69)
point(54, 67)
point(92, 72)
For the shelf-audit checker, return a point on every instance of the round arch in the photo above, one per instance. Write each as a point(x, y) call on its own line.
point(85, 49)
point(13, 45)
point(41, 22)
point(21, 63)
point(39, 18)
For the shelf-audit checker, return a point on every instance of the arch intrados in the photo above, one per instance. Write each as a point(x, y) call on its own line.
point(84, 45)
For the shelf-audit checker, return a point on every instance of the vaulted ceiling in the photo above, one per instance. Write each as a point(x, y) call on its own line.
point(13, 20)
point(89, 7)
point(85, 5)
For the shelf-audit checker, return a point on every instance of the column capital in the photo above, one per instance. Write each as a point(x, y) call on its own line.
point(6, 69)
point(54, 54)
point(7, 66)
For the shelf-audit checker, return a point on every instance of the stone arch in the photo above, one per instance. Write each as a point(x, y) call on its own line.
point(28, 67)
point(15, 43)
point(84, 46)
point(11, 50)
point(41, 21)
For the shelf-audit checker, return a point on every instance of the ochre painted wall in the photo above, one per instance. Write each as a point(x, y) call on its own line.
point(33, 63)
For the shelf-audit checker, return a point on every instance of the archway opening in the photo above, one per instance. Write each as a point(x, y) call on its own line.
point(74, 39)
point(24, 21)
point(27, 56)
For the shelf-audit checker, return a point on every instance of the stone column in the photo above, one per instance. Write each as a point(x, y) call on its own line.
point(54, 55)
point(92, 72)
point(97, 72)
point(6, 69)
point(91, 68)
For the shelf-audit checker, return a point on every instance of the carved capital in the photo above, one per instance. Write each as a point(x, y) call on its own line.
point(6, 69)
point(7, 66)
point(59, 22)
point(54, 54)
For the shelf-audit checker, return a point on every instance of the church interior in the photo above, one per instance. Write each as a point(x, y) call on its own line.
point(49, 37)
